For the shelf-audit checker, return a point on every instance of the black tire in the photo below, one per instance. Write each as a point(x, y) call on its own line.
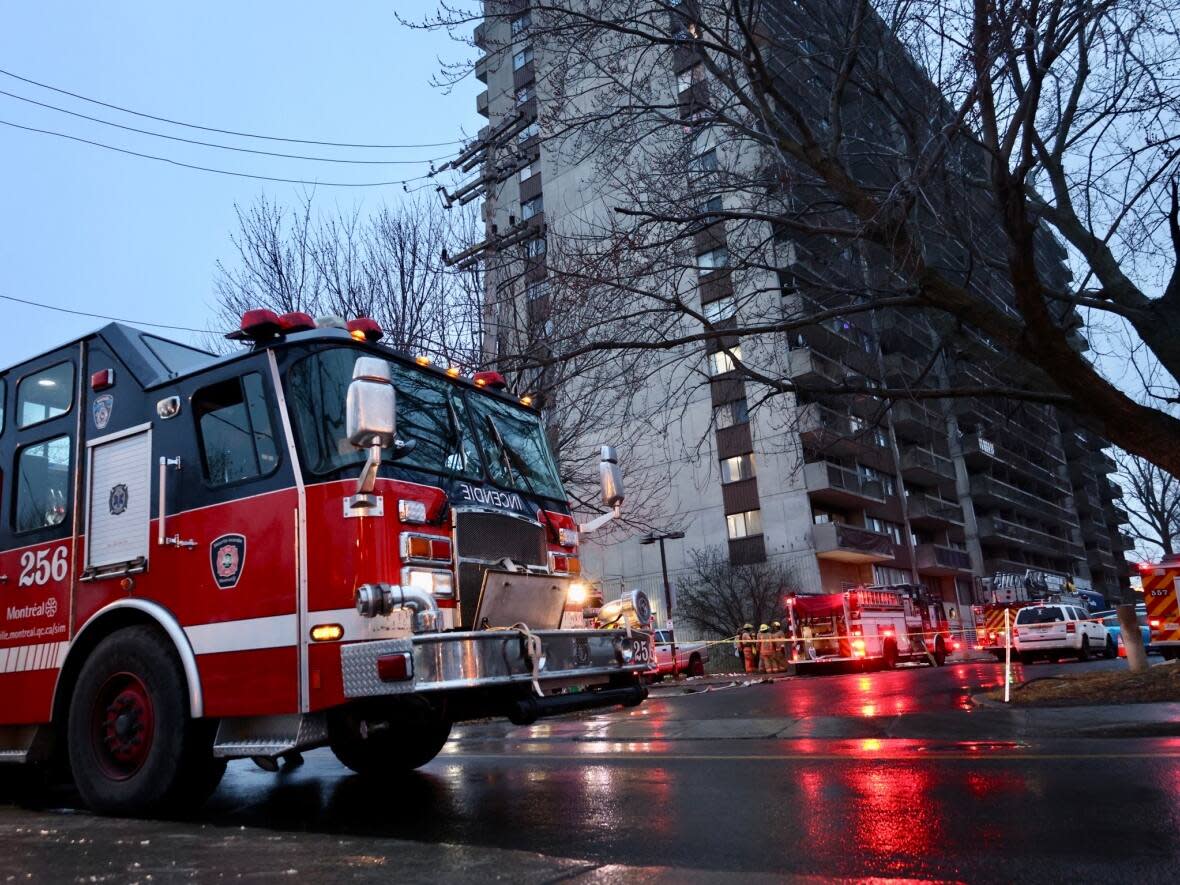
point(1084, 651)
point(889, 656)
point(132, 745)
point(696, 667)
point(363, 741)
point(939, 652)
point(1111, 650)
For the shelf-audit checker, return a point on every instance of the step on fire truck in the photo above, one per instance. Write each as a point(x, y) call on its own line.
point(191, 570)
point(868, 627)
point(1161, 597)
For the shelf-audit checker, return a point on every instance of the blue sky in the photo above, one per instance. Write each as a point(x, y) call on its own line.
point(93, 230)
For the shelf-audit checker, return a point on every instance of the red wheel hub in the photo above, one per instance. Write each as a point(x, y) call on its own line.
point(123, 725)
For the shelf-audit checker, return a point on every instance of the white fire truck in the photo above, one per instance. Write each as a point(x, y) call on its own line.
point(868, 627)
point(191, 569)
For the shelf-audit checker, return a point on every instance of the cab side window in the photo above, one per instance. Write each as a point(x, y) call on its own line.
point(45, 394)
point(233, 423)
point(42, 484)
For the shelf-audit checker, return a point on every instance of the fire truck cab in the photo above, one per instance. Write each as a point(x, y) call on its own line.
point(205, 558)
point(869, 627)
point(1161, 597)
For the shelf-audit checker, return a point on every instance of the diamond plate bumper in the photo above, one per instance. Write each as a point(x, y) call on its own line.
point(449, 661)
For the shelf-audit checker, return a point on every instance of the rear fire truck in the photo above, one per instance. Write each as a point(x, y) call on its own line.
point(868, 627)
point(191, 570)
point(1010, 592)
point(1161, 597)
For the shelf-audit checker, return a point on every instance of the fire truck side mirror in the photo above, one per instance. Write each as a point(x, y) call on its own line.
point(610, 475)
point(370, 407)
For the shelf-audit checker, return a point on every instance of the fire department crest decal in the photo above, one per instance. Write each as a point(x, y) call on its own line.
point(118, 499)
point(102, 408)
point(227, 556)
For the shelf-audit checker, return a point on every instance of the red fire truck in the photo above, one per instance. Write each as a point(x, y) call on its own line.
point(1010, 592)
point(191, 569)
point(1161, 597)
point(868, 626)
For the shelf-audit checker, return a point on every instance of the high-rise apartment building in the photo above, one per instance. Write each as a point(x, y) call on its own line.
point(844, 489)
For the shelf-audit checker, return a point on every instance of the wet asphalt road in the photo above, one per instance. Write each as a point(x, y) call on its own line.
point(586, 800)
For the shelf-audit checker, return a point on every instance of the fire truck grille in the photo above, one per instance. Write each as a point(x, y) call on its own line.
point(489, 538)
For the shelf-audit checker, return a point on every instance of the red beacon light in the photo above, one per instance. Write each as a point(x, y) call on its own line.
point(365, 329)
point(494, 380)
point(296, 321)
point(259, 324)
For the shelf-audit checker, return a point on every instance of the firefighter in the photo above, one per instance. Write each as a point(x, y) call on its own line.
point(748, 643)
point(778, 646)
point(765, 650)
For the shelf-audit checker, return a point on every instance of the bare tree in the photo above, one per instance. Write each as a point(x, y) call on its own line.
point(910, 163)
point(718, 597)
point(1154, 495)
point(388, 265)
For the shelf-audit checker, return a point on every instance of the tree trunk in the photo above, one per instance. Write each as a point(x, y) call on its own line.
point(1132, 639)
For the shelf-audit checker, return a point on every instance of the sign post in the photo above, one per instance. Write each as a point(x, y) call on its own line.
point(1007, 655)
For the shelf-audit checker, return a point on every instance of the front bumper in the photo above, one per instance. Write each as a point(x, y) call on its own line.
point(494, 658)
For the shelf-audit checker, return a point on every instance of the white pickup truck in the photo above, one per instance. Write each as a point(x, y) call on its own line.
point(690, 657)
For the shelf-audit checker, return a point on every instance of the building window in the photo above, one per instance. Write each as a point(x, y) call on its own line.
point(709, 210)
point(822, 517)
point(537, 290)
point(522, 58)
point(525, 94)
point(706, 162)
point(521, 22)
point(737, 468)
point(527, 172)
point(532, 207)
point(42, 485)
point(234, 429)
point(890, 577)
point(724, 360)
point(535, 247)
point(742, 525)
point(720, 310)
point(732, 413)
point(530, 131)
point(714, 259)
point(868, 474)
point(892, 529)
point(45, 395)
point(689, 78)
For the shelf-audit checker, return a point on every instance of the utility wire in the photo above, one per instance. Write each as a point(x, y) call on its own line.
point(401, 181)
point(116, 107)
point(101, 316)
point(224, 147)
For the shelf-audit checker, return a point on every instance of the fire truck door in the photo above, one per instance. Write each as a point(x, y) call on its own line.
point(118, 500)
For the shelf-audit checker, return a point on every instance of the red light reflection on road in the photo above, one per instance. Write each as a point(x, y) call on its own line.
point(893, 812)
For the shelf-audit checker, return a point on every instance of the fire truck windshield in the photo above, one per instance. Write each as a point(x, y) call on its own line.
point(447, 424)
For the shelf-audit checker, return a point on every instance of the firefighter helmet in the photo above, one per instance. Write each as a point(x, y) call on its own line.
point(747, 626)
point(776, 624)
point(765, 628)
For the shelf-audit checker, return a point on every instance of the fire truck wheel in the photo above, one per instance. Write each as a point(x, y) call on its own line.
point(132, 746)
point(889, 655)
point(388, 742)
point(939, 652)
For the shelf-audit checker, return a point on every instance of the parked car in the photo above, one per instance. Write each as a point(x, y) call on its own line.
point(1110, 620)
point(1055, 630)
point(690, 657)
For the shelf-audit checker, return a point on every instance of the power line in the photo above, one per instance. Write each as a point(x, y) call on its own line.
point(224, 147)
point(116, 107)
point(401, 181)
point(102, 316)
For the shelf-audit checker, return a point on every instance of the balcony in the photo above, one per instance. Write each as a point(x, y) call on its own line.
point(926, 468)
point(900, 334)
point(980, 451)
point(481, 68)
point(902, 370)
point(807, 366)
point(1115, 515)
point(831, 484)
point(994, 530)
point(747, 551)
point(847, 543)
point(1088, 501)
point(935, 559)
point(991, 492)
point(933, 512)
point(915, 422)
point(1122, 541)
point(1116, 490)
point(480, 37)
point(481, 104)
point(827, 430)
point(1106, 463)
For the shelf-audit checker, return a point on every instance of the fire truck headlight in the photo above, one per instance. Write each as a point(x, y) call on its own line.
point(577, 593)
point(436, 581)
point(624, 649)
point(410, 511)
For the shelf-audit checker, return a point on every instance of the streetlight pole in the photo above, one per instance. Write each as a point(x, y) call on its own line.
point(654, 538)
